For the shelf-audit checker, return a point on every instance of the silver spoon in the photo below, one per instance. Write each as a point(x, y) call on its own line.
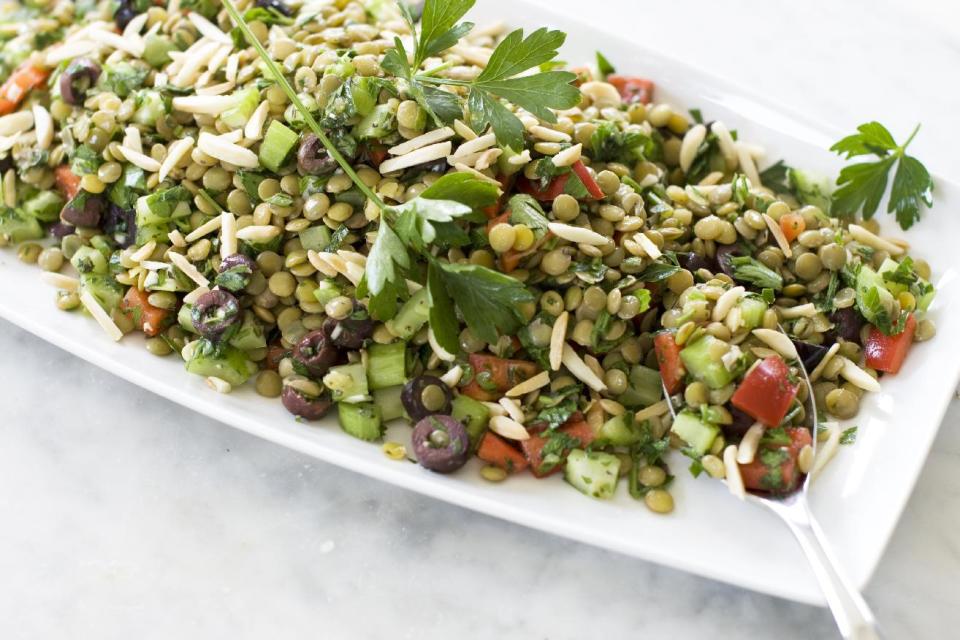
point(853, 616)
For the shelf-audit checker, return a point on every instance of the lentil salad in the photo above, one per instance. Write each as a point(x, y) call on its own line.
point(195, 204)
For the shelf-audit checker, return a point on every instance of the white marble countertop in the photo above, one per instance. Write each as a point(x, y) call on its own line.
point(125, 516)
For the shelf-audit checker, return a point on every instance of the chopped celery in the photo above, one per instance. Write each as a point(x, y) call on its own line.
point(150, 107)
point(379, 123)
point(326, 291)
point(185, 318)
point(751, 311)
point(19, 227)
point(389, 403)
point(103, 288)
point(277, 145)
point(702, 363)
point(620, 431)
point(220, 361)
point(695, 432)
point(362, 420)
point(386, 365)
point(411, 316)
point(245, 103)
point(347, 383)
point(594, 474)
point(474, 415)
point(645, 388)
point(161, 207)
point(249, 335)
point(45, 206)
point(315, 238)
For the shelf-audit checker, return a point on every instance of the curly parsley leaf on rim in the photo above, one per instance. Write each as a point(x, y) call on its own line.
point(861, 186)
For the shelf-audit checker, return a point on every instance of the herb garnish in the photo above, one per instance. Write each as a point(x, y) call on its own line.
point(862, 185)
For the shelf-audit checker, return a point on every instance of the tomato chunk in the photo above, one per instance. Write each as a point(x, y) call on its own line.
point(492, 376)
point(496, 451)
point(766, 393)
point(543, 194)
point(668, 359)
point(774, 470)
point(23, 80)
point(887, 353)
point(792, 225)
point(67, 181)
point(148, 318)
point(632, 89)
point(533, 448)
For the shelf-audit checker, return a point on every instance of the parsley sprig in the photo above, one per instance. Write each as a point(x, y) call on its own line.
point(501, 79)
point(861, 186)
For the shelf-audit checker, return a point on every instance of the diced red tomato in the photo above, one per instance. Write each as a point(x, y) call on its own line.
point(543, 194)
point(67, 181)
point(503, 218)
point(587, 179)
point(377, 153)
point(497, 376)
point(668, 359)
point(26, 78)
point(887, 353)
point(496, 451)
point(766, 393)
point(774, 469)
point(533, 447)
point(792, 225)
point(148, 318)
point(632, 89)
point(799, 438)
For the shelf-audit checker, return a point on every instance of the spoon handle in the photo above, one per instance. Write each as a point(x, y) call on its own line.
point(851, 612)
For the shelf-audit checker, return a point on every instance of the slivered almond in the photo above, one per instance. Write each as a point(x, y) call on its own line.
point(462, 168)
point(71, 50)
point(60, 281)
point(258, 233)
point(135, 26)
point(143, 252)
point(452, 377)
point(725, 302)
point(143, 161)
point(512, 407)
point(475, 145)
point(209, 226)
point(800, 311)
point(867, 237)
point(557, 337)
point(777, 234)
point(818, 370)
point(103, 319)
point(463, 130)
point(579, 235)
point(176, 238)
point(542, 379)
point(858, 376)
point(228, 234)
point(208, 29)
point(320, 264)
point(580, 370)
point(180, 261)
point(826, 450)
point(648, 246)
point(43, 123)
point(734, 479)
point(194, 295)
point(690, 145)
point(747, 164)
point(16, 122)
point(508, 428)
point(428, 138)
point(253, 130)
point(778, 342)
point(421, 155)
point(208, 105)
point(749, 444)
point(131, 139)
point(215, 89)
point(568, 156)
point(655, 410)
point(221, 149)
point(175, 153)
point(133, 45)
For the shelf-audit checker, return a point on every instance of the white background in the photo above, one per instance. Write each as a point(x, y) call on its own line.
point(122, 515)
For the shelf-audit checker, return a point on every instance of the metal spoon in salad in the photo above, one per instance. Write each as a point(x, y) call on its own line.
point(853, 616)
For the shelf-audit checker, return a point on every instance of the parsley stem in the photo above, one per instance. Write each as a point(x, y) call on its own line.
point(433, 80)
point(437, 69)
point(287, 89)
point(904, 146)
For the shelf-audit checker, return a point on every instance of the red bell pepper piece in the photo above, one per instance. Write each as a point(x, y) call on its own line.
point(148, 318)
point(887, 353)
point(766, 393)
point(592, 187)
point(543, 194)
point(533, 447)
point(632, 89)
point(668, 359)
point(496, 451)
point(23, 80)
point(67, 181)
point(497, 375)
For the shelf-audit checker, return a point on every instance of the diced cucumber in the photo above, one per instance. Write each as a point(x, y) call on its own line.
point(347, 383)
point(249, 335)
point(697, 434)
point(645, 388)
point(18, 227)
point(889, 266)
point(245, 103)
point(389, 403)
point(150, 108)
point(360, 420)
point(504, 166)
point(386, 365)
point(185, 318)
point(326, 291)
point(45, 206)
point(593, 474)
point(277, 145)
point(411, 316)
point(365, 92)
point(161, 207)
point(699, 360)
point(868, 281)
point(620, 431)
point(474, 415)
point(103, 288)
point(156, 50)
point(222, 361)
point(315, 238)
point(377, 124)
point(89, 260)
point(751, 311)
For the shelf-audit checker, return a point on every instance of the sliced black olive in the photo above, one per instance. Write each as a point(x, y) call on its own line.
point(350, 332)
point(84, 210)
point(810, 354)
point(441, 443)
point(79, 76)
point(846, 324)
point(692, 262)
point(741, 423)
point(125, 13)
point(426, 396)
point(60, 229)
point(315, 353)
point(237, 260)
point(214, 313)
point(724, 253)
point(121, 225)
point(234, 272)
point(304, 406)
point(275, 4)
point(312, 157)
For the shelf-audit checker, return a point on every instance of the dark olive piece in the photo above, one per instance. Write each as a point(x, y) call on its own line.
point(303, 406)
point(810, 354)
point(312, 157)
point(121, 225)
point(214, 313)
point(425, 396)
point(125, 13)
point(84, 210)
point(237, 260)
point(276, 5)
point(79, 76)
point(60, 229)
point(692, 262)
point(724, 253)
point(315, 353)
point(846, 324)
point(350, 332)
point(741, 423)
point(441, 443)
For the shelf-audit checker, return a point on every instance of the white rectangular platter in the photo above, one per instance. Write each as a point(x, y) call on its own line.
point(858, 499)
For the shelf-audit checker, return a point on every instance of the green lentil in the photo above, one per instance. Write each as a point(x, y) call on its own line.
point(269, 384)
point(67, 300)
point(158, 347)
point(29, 252)
point(50, 259)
